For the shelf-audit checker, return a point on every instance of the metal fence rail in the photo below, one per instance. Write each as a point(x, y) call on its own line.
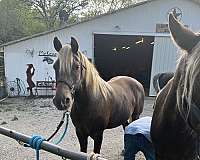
point(49, 147)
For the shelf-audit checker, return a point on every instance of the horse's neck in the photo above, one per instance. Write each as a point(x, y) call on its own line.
point(96, 87)
point(170, 107)
point(172, 92)
point(85, 93)
point(81, 96)
point(167, 97)
point(170, 128)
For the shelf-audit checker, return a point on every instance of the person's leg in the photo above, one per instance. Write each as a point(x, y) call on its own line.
point(147, 148)
point(130, 146)
point(31, 92)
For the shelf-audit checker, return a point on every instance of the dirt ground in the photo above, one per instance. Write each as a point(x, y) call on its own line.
point(39, 116)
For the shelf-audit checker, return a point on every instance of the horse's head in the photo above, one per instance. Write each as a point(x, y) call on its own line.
point(68, 72)
point(188, 73)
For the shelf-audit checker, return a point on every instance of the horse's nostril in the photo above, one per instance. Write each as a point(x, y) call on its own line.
point(67, 100)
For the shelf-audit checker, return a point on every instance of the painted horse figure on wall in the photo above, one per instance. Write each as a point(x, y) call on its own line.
point(95, 104)
point(161, 79)
point(175, 128)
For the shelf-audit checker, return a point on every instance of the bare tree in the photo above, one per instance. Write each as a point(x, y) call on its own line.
point(48, 10)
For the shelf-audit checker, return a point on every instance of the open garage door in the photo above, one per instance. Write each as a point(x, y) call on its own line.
point(129, 55)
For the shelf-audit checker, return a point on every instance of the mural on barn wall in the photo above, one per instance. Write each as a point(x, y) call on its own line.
point(30, 52)
point(47, 56)
point(18, 86)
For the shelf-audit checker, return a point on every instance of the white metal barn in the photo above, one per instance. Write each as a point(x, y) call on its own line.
point(133, 41)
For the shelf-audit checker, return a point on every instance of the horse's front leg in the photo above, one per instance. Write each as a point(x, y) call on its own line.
point(97, 142)
point(83, 140)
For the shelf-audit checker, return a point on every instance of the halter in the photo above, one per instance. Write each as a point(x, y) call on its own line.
point(71, 85)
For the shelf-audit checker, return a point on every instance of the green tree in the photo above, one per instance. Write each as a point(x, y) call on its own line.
point(10, 24)
point(48, 11)
point(16, 21)
point(98, 7)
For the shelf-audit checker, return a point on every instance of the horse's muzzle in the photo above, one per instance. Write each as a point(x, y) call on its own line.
point(62, 103)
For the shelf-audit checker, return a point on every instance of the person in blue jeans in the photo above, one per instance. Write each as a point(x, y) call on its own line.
point(137, 138)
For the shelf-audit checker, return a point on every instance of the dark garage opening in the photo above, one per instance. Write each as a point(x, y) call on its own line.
point(129, 55)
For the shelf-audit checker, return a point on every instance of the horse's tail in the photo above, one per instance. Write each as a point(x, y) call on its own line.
point(156, 84)
point(161, 79)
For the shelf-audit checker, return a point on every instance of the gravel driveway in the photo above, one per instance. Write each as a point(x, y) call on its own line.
point(39, 116)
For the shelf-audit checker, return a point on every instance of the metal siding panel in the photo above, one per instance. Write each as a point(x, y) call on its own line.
point(164, 58)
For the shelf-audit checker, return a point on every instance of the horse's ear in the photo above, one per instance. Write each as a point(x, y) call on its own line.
point(183, 37)
point(74, 45)
point(57, 44)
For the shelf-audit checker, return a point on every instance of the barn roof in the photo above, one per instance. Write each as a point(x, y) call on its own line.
point(89, 19)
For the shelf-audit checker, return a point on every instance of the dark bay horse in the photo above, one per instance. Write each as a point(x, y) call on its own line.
point(161, 79)
point(175, 128)
point(95, 105)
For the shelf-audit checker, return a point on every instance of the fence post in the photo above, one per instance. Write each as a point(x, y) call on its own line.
point(49, 147)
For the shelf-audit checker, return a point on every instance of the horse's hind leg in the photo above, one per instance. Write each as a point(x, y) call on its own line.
point(97, 142)
point(83, 140)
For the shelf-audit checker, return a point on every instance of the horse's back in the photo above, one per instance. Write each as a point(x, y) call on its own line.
point(125, 81)
point(129, 93)
point(127, 84)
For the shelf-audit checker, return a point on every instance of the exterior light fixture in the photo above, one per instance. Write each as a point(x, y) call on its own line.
point(114, 49)
point(141, 41)
point(152, 43)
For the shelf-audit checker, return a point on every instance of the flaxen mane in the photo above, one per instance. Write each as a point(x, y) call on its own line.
point(192, 71)
point(94, 83)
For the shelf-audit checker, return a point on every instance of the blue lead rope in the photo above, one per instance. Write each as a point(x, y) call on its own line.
point(36, 140)
point(65, 131)
point(35, 143)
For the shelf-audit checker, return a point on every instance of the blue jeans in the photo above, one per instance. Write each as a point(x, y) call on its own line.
point(136, 143)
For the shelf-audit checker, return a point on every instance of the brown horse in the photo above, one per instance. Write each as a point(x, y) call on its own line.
point(175, 125)
point(95, 105)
